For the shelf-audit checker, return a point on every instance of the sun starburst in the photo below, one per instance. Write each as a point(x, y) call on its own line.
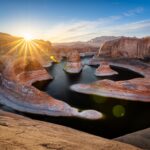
point(27, 37)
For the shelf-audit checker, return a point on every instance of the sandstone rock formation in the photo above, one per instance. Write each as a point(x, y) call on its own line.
point(104, 70)
point(126, 47)
point(135, 89)
point(20, 133)
point(85, 48)
point(17, 92)
point(139, 138)
point(74, 64)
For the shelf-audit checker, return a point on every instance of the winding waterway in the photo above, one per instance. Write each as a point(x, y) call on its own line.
point(120, 116)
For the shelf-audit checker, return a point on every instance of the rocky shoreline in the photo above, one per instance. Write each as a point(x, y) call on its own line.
point(105, 70)
point(17, 92)
point(135, 89)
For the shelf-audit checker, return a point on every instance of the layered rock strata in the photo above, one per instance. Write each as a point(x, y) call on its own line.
point(73, 64)
point(126, 47)
point(105, 70)
point(17, 92)
point(135, 89)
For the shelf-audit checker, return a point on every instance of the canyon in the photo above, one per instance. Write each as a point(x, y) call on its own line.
point(18, 73)
point(17, 76)
point(122, 53)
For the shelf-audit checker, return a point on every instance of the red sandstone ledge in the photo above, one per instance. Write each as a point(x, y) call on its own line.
point(105, 70)
point(135, 89)
point(17, 92)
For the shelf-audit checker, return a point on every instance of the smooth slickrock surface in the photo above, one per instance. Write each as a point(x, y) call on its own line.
point(73, 64)
point(126, 47)
point(17, 92)
point(20, 133)
point(134, 89)
point(140, 138)
point(105, 70)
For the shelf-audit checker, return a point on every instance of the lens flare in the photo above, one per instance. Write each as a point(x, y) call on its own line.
point(118, 111)
point(53, 58)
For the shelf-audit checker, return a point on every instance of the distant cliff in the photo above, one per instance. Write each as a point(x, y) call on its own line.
point(126, 47)
point(92, 45)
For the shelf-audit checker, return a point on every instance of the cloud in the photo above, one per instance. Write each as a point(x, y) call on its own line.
point(83, 30)
point(133, 11)
point(130, 29)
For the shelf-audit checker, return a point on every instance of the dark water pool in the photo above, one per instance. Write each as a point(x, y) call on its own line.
point(120, 116)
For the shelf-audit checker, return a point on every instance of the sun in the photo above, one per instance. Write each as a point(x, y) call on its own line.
point(27, 37)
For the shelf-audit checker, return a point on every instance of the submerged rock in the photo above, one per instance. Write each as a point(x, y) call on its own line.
point(104, 70)
point(73, 64)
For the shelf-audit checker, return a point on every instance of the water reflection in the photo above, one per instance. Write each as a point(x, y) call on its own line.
point(120, 116)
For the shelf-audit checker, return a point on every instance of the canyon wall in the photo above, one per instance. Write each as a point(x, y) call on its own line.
point(126, 47)
point(17, 92)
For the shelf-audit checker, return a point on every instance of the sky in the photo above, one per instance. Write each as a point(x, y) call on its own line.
point(75, 20)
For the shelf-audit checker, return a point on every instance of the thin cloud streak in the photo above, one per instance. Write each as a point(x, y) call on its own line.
point(85, 30)
point(133, 11)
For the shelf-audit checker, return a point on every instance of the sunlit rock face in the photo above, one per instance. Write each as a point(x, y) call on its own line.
point(133, 90)
point(126, 47)
point(73, 56)
point(104, 70)
point(73, 64)
point(17, 92)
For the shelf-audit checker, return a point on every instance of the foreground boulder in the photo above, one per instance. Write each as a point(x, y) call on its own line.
point(105, 70)
point(21, 133)
point(139, 138)
point(73, 64)
point(126, 47)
